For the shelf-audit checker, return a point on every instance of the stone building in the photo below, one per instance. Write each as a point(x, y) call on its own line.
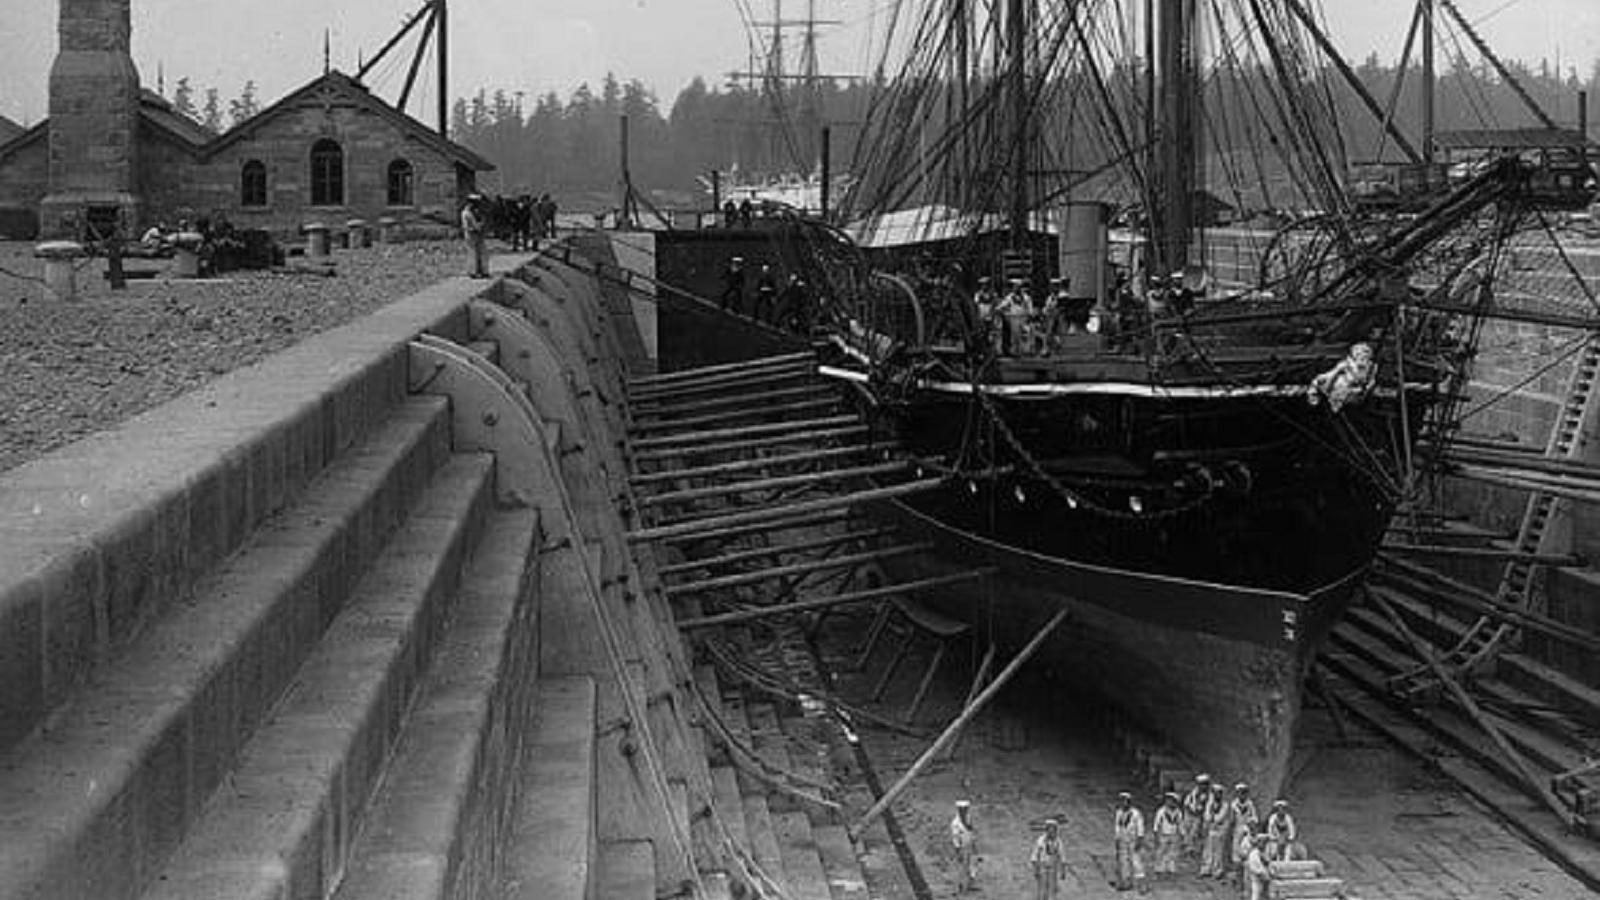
point(113, 153)
point(9, 130)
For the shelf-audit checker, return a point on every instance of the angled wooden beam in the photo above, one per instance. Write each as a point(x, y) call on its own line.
point(781, 481)
point(717, 562)
point(1558, 560)
point(877, 593)
point(744, 465)
point(747, 431)
point(954, 729)
point(753, 384)
point(712, 525)
point(805, 568)
point(754, 410)
point(779, 524)
point(654, 412)
point(810, 437)
point(745, 365)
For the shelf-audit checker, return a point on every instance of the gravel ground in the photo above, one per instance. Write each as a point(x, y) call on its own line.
point(70, 369)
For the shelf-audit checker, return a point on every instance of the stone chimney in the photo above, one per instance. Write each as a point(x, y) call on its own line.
point(94, 121)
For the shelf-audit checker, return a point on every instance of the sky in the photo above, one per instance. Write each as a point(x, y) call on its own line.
point(537, 46)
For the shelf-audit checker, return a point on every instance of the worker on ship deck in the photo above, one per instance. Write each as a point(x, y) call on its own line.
point(1013, 311)
point(1049, 862)
point(1129, 838)
point(964, 840)
point(1219, 826)
point(732, 299)
point(1194, 815)
point(1167, 827)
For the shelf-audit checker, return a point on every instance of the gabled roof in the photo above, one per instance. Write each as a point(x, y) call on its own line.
point(336, 84)
point(40, 130)
point(1509, 139)
point(159, 111)
point(9, 129)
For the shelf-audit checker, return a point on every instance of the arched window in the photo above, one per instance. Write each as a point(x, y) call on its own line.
point(253, 184)
point(400, 177)
point(327, 173)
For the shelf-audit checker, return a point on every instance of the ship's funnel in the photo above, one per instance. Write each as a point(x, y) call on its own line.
point(1083, 251)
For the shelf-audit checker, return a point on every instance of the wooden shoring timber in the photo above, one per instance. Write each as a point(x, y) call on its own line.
point(806, 439)
point(746, 387)
point(816, 565)
point(782, 524)
point(1435, 587)
point(745, 365)
point(1534, 784)
point(954, 729)
point(1557, 560)
point(767, 484)
point(712, 524)
point(755, 410)
point(745, 465)
point(663, 412)
point(877, 593)
point(717, 562)
point(686, 441)
point(1523, 462)
point(1428, 531)
point(1572, 489)
point(765, 681)
point(735, 383)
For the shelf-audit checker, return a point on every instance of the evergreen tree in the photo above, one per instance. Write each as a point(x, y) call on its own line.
point(183, 99)
point(245, 105)
point(213, 110)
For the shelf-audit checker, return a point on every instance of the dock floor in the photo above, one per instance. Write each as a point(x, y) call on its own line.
point(1377, 817)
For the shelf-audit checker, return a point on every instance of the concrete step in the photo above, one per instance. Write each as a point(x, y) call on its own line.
point(284, 822)
point(439, 822)
point(763, 837)
point(802, 863)
point(726, 783)
point(103, 794)
point(553, 850)
point(846, 880)
point(627, 871)
point(1306, 889)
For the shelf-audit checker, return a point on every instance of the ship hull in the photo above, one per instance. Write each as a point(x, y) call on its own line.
point(1216, 669)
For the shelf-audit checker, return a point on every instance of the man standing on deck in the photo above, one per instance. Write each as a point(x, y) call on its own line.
point(1219, 826)
point(472, 229)
point(1048, 859)
point(965, 843)
point(1167, 826)
point(1194, 815)
point(1129, 838)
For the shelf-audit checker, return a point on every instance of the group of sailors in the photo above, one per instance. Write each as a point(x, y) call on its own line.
point(776, 301)
point(1205, 830)
point(1016, 325)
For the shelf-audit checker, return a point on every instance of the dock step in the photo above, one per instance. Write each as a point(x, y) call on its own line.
point(627, 871)
point(439, 819)
point(284, 822)
point(98, 800)
point(553, 849)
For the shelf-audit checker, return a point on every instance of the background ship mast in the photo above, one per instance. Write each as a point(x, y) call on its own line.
point(1176, 85)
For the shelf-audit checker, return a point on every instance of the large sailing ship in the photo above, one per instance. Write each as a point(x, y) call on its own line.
point(1192, 438)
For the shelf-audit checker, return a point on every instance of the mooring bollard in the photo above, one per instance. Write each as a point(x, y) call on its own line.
point(359, 235)
point(316, 239)
point(186, 255)
point(60, 267)
point(388, 229)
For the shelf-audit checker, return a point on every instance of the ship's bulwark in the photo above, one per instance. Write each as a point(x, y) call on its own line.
point(1228, 696)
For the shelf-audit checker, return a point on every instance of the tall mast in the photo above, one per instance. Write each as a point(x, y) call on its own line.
point(1017, 26)
point(442, 25)
point(1426, 7)
point(963, 75)
point(1179, 95)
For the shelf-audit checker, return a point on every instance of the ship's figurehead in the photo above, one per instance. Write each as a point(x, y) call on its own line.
point(1348, 382)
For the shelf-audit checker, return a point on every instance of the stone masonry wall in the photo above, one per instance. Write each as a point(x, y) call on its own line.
point(370, 144)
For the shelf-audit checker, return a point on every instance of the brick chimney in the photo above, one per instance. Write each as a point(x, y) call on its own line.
point(94, 120)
